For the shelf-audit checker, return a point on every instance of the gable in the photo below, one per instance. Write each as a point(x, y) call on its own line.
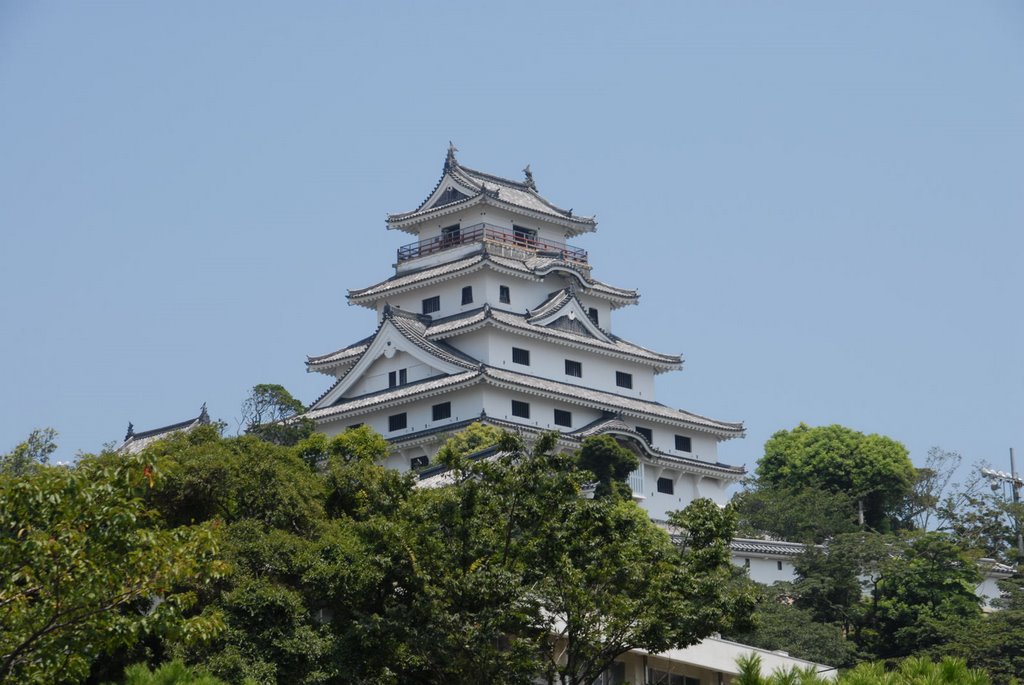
point(389, 350)
point(565, 312)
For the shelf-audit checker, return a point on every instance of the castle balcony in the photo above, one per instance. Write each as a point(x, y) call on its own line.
point(494, 239)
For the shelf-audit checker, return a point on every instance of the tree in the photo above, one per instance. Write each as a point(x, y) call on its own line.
point(872, 469)
point(170, 673)
point(35, 451)
point(778, 624)
point(995, 643)
point(472, 439)
point(799, 514)
point(610, 463)
point(926, 587)
point(912, 671)
point(83, 571)
point(518, 573)
point(271, 413)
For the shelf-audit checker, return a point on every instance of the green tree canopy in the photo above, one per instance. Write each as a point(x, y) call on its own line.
point(270, 412)
point(872, 469)
point(35, 451)
point(84, 570)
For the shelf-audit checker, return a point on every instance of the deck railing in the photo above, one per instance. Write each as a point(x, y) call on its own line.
point(488, 233)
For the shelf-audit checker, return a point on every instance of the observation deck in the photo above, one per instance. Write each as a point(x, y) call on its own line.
point(494, 239)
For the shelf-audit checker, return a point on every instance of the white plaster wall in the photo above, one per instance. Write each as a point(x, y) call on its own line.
point(376, 377)
point(496, 217)
point(766, 569)
point(466, 404)
point(704, 447)
point(684, 490)
point(547, 360)
point(498, 403)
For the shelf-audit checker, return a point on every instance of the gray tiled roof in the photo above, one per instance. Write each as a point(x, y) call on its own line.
point(137, 441)
point(412, 327)
point(519, 322)
point(410, 391)
point(555, 302)
point(346, 355)
point(576, 394)
point(522, 195)
point(775, 547)
point(613, 402)
point(535, 267)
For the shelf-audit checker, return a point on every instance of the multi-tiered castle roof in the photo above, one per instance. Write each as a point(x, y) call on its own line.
point(492, 316)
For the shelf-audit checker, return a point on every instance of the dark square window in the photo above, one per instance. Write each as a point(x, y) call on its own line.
point(646, 432)
point(573, 368)
point(442, 411)
point(450, 235)
point(778, 565)
point(354, 425)
point(666, 486)
point(524, 236)
point(419, 462)
point(467, 295)
point(563, 418)
point(520, 356)
point(683, 443)
point(432, 304)
point(504, 296)
point(396, 422)
point(623, 379)
point(592, 313)
point(521, 409)
point(396, 378)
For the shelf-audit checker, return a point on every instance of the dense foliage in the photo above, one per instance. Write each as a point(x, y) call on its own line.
point(872, 470)
point(258, 562)
point(86, 569)
point(902, 582)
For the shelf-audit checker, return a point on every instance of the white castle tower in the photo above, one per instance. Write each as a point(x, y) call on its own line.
point(491, 316)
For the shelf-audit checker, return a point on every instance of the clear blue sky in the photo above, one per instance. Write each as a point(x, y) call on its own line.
point(821, 203)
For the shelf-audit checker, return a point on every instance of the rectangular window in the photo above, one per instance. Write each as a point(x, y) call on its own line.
point(592, 313)
point(520, 356)
point(432, 304)
point(419, 462)
point(442, 411)
point(467, 295)
point(354, 425)
point(779, 565)
point(666, 486)
point(683, 443)
point(573, 368)
point(646, 432)
point(450, 235)
point(521, 409)
point(396, 422)
point(396, 378)
point(657, 677)
point(563, 418)
point(504, 296)
point(623, 379)
point(524, 236)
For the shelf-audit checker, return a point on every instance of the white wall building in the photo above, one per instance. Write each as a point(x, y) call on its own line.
point(491, 316)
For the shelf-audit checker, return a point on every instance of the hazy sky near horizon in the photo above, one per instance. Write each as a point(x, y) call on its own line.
point(820, 203)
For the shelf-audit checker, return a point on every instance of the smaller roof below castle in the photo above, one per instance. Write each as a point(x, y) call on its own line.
point(460, 186)
point(534, 268)
point(136, 441)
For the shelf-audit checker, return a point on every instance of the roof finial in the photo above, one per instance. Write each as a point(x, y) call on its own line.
point(449, 162)
point(204, 416)
point(131, 432)
point(529, 178)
